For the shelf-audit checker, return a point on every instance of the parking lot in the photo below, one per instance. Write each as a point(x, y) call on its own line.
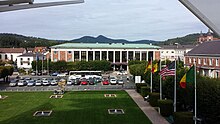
point(46, 83)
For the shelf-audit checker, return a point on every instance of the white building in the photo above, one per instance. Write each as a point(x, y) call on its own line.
point(25, 60)
point(117, 53)
point(171, 52)
point(7, 54)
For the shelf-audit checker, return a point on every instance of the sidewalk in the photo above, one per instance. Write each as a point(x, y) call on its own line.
point(149, 111)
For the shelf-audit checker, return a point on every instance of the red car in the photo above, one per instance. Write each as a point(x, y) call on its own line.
point(84, 82)
point(105, 82)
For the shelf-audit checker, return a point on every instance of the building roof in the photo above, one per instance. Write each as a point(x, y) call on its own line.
point(206, 48)
point(177, 46)
point(12, 50)
point(105, 46)
point(31, 55)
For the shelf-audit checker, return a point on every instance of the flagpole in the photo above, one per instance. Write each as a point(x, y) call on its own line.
point(48, 66)
point(174, 104)
point(42, 64)
point(195, 94)
point(36, 65)
point(160, 84)
point(151, 79)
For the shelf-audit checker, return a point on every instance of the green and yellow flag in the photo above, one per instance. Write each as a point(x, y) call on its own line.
point(189, 77)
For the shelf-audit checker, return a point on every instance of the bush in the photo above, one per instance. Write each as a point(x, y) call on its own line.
point(183, 118)
point(145, 90)
point(153, 99)
point(139, 85)
point(166, 107)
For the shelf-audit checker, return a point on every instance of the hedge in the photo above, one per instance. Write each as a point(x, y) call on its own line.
point(166, 107)
point(145, 90)
point(153, 99)
point(183, 118)
point(139, 85)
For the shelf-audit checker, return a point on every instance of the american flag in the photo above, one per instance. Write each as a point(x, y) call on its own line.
point(168, 70)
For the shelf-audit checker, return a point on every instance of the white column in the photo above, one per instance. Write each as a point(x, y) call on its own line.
point(73, 56)
point(51, 55)
point(134, 55)
point(140, 55)
point(107, 55)
point(58, 55)
point(93, 55)
point(66, 56)
point(147, 56)
point(154, 55)
point(127, 57)
point(87, 56)
point(80, 56)
point(100, 55)
point(120, 56)
point(113, 56)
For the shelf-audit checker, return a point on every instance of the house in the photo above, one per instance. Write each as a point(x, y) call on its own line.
point(206, 56)
point(7, 54)
point(25, 60)
point(171, 52)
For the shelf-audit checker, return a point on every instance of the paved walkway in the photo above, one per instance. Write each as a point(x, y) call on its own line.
point(149, 111)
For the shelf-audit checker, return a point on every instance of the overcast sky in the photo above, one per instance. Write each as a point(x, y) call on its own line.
point(120, 19)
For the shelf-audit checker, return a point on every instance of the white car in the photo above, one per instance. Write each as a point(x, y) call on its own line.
point(69, 82)
point(46, 82)
point(120, 81)
point(62, 75)
point(22, 83)
point(54, 82)
point(113, 81)
point(38, 83)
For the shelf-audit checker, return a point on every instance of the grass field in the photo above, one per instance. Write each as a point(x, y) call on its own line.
point(83, 107)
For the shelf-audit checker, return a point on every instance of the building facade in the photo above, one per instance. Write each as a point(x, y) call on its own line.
point(206, 56)
point(171, 52)
point(7, 54)
point(117, 53)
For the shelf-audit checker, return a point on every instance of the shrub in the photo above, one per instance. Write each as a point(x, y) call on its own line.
point(153, 99)
point(139, 85)
point(145, 90)
point(183, 118)
point(166, 107)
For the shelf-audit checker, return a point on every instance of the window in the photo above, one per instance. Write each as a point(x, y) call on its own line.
point(210, 61)
point(55, 52)
point(172, 51)
point(194, 60)
point(6, 57)
point(0, 56)
point(199, 61)
point(69, 52)
point(217, 62)
point(11, 57)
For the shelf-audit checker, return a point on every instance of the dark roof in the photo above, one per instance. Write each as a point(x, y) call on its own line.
point(177, 46)
point(206, 48)
point(31, 55)
point(12, 50)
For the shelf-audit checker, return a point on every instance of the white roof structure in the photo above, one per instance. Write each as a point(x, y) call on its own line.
point(206, 11)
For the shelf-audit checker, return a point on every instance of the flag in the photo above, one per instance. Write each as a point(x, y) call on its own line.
point(168, 70)
point(147, 67)
point(189, 77)
point(155, 68)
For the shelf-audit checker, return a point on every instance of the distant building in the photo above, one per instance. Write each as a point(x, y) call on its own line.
point(170, 52)
point(25, 60)
point(7, 54)
point(206, 37)
point(117, 53)
point(207, 58)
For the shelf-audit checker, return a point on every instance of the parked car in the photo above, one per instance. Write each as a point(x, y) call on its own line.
point(105, 82)
point(84, 82)
point(91, 81)
point(46, 82)
point(31, 83)
point(13, 82)
point(62, 75)
point(113, 81)
point(120, 81)
point(77, 81)
point(54, 82)
point(38, 83)
point(69, 82)
point(54, 74)
point(22, 83)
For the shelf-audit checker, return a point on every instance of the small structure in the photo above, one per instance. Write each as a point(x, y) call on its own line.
point(56, 96)
point(115, 111)
point(110, 95)
point(56, 92)
point(42, 113)
point(3, 97)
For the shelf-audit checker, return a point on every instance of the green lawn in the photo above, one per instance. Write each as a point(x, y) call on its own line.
point(83, 107)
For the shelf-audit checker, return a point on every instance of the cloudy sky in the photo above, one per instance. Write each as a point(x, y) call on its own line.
point(120, 19)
